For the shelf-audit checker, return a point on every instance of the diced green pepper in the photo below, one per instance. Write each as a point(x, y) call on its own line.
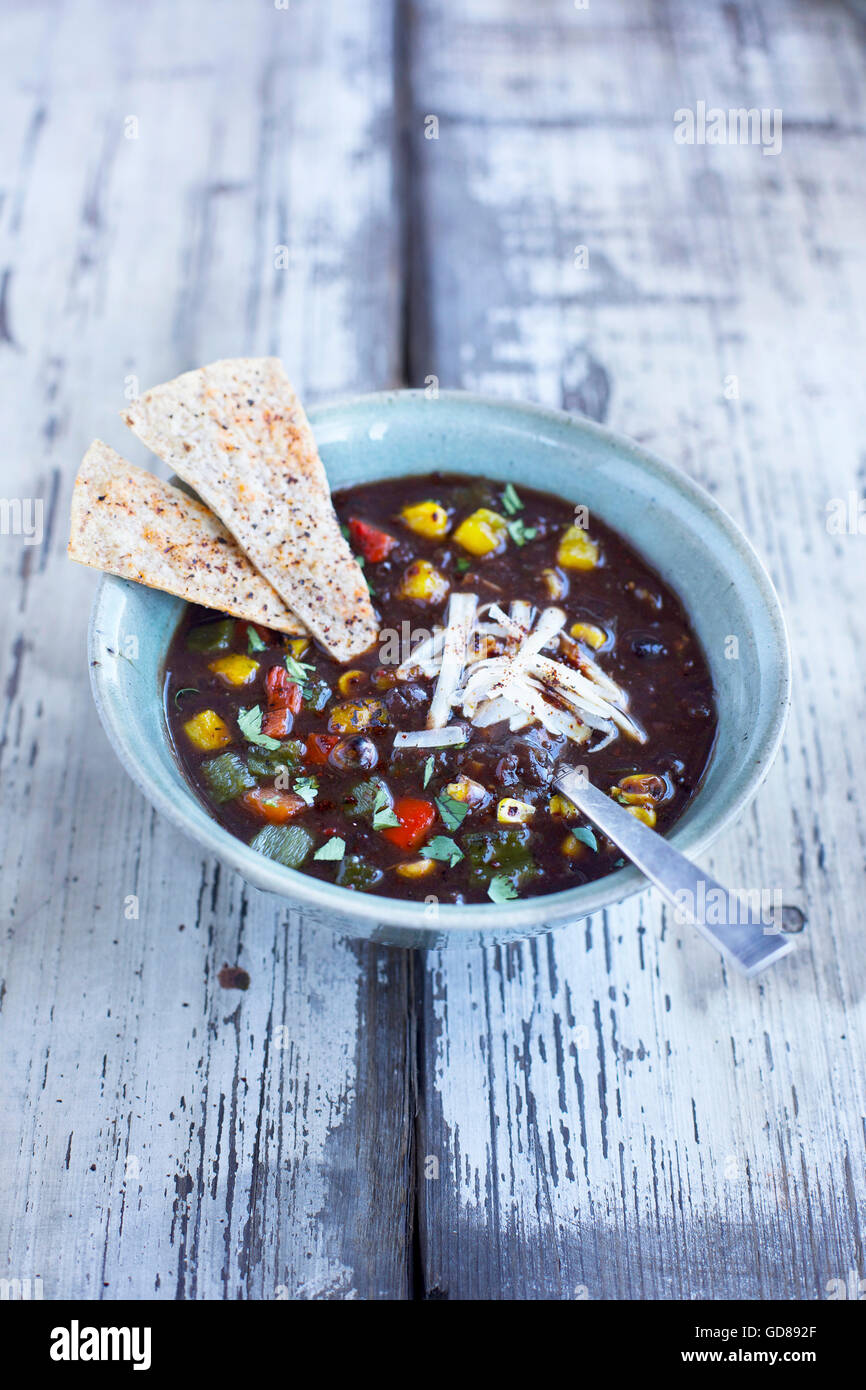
point(317, 693)
point(361, 800)
point(288, 844)
point(266, 762)
point(211, 637)
point(355, 872)
point(227, 776)
point(500, 853)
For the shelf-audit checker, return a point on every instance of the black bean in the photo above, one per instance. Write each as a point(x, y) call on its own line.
point(647, 647)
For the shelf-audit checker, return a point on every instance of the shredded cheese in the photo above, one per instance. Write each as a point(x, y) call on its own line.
point(493, 666)
point(461, 617)
point(432, 738)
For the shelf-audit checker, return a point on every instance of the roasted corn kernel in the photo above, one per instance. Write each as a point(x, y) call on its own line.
point(512, 812)
point(645, 813)
point(423, 582)
point(464, 789)
point(482, 533)
point(573, 848)
point(555, 583)
point(577, 550)
point(593, 636)
point(428, 519)
point(640, 789)
point(416, 868)
point(384, 680)
point(351, 682)
point(562, 808)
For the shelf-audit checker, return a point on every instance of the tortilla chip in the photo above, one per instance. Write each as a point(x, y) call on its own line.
point(237, 433)
point(132, 524)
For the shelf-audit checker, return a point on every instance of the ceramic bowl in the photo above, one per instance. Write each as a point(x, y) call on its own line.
point(674, 524)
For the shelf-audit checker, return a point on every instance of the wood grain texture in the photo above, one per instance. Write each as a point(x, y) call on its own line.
point(611, 1114)
point(163, 1136)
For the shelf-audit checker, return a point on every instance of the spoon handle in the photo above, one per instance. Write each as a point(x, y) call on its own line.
point(740, 933)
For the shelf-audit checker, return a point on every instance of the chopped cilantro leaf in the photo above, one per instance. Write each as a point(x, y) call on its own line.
point(428, 769)
point(307, 788)
point(250, 725)
point(441, 847)
point(383, 812)
point(300, 672)
point(452, 811)
point(334, 848)
point(511, 503)
point(254, 641)
point(519, 533)
point(586, 837)
point(501, 889)
point(463, 565)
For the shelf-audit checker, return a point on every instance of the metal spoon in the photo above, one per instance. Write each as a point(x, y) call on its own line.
point(743, 937)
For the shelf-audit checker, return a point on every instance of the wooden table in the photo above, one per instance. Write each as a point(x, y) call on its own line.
point(603, 1113)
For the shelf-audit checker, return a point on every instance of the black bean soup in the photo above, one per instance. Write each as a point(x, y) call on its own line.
point(296, 755)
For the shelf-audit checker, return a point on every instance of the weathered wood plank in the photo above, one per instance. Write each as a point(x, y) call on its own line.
point(164, 1136)
point(611, 1114)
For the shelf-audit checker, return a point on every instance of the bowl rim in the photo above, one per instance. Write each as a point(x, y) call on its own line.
point(567, 905)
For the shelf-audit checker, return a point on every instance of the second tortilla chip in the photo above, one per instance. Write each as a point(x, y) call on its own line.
point(132, 524)
point(236, 432)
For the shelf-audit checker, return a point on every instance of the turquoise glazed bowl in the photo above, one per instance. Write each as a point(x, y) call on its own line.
point(678, 528)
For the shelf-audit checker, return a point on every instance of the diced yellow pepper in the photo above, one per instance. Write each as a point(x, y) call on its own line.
point(573, 848)
point(428, 519)
point(645, 813)
point(562, 808)
point(577, 550)
point(351, 682)
point(416, 868)
point(207, 731)
point(555, 583)
point(235, 670)
point(464, 789)
point(356, 716)
point(297, 646)
point(423, 582)
point(513, 812)
point(482, 533)
point(590, 634)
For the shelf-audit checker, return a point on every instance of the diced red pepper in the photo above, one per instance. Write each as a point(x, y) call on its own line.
point(282, 693)
point(374, 545)
point(319, 746)
point(277, 723)
point(273, 805)
point(415, 817)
